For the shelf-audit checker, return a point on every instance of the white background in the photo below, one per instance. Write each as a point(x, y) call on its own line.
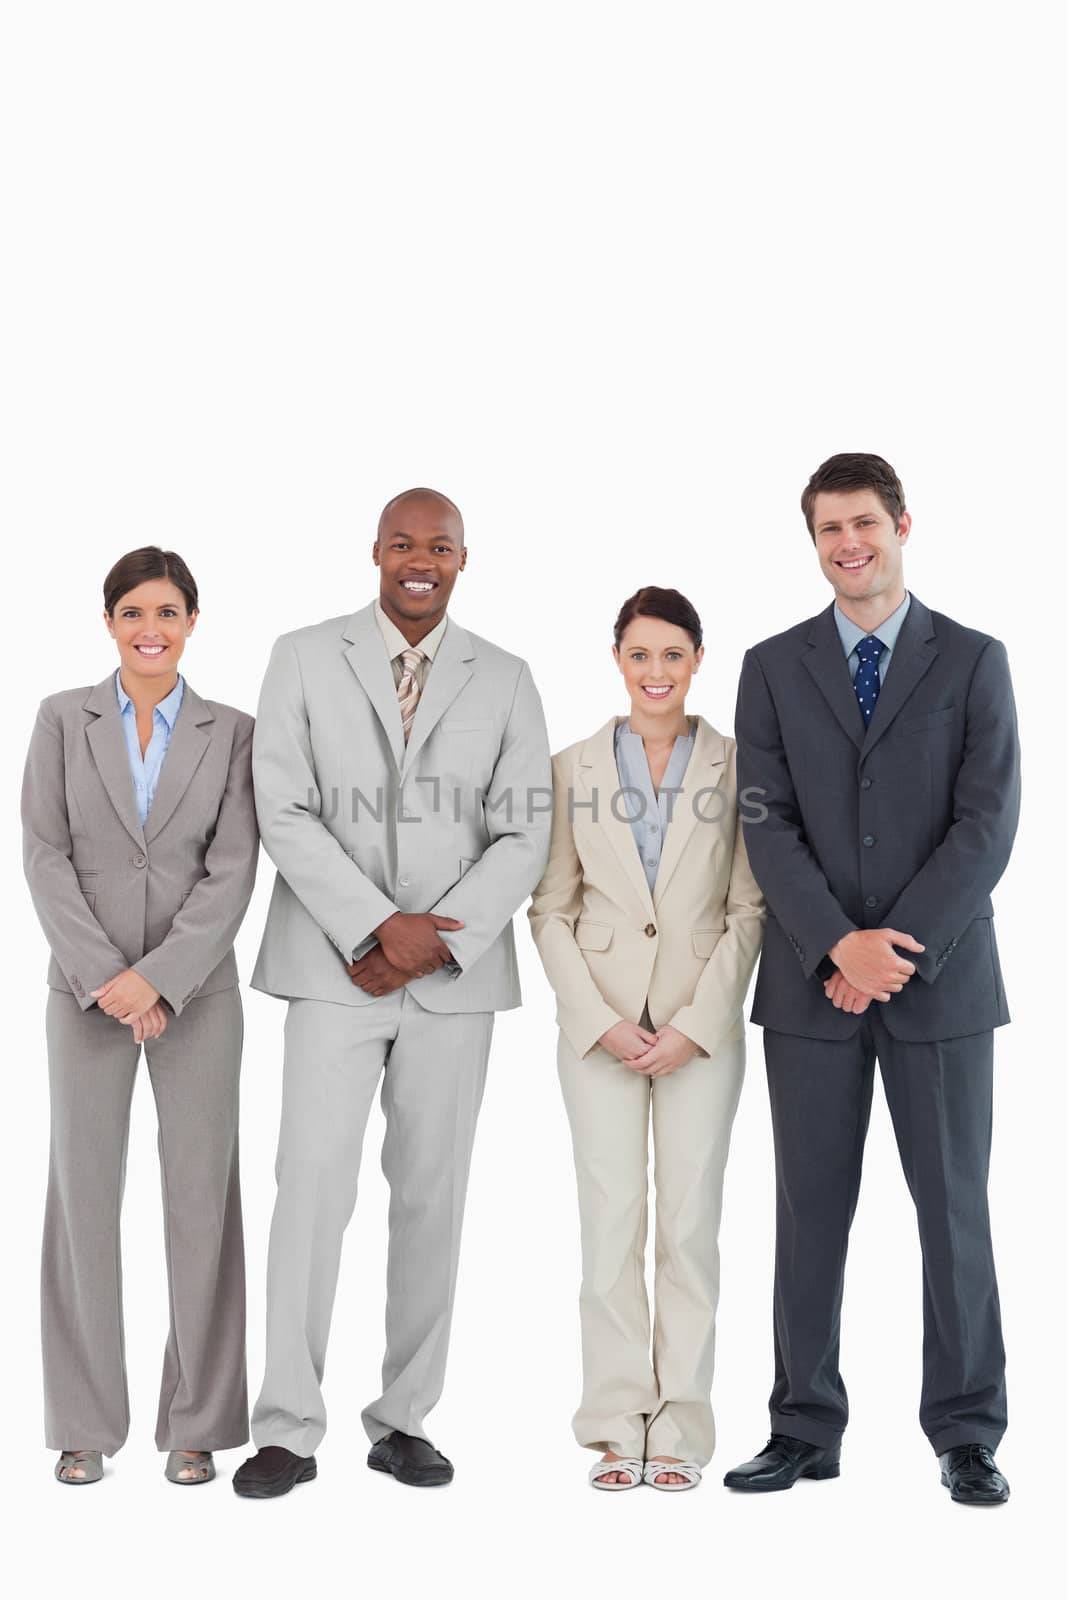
point(616, 278)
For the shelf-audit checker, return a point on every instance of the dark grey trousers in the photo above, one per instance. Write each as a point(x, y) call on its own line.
point(940, 1099)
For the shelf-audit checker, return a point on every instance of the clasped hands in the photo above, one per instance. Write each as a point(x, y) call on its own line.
point(868, 967)
point(409, 946)
point(654, 1054)
point(131, 999)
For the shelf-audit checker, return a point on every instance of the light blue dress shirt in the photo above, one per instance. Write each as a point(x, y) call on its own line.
point(145, 770)
point(850, 636)
point(649, 813)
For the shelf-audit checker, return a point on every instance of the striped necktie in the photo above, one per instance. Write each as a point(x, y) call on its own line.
point(407, 690)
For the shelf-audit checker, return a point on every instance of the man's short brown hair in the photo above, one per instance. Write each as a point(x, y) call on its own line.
point(854, 470)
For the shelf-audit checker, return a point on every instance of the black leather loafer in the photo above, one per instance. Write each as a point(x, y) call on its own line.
point(972, 1477)
point(781, 1462)
point(413, 1461)
point(272, 1471)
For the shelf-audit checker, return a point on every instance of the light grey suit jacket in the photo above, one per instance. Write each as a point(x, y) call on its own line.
point(166, 899)
point(360, 826)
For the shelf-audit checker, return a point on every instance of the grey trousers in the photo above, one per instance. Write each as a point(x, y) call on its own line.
point(194, 1068)
point(940, 1099)
point(434, 1070)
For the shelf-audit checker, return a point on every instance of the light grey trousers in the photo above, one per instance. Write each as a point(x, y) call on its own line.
point(633, 1402)
point(434, 1069)
point(194, 1069)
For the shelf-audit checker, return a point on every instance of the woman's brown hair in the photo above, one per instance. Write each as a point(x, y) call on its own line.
point(666, 604)
point(141, 566)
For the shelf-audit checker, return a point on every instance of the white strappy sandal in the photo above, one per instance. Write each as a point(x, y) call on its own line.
point(628, 1464)
point(684, 1469)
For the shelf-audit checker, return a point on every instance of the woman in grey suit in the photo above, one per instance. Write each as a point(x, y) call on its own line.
point(140, 852)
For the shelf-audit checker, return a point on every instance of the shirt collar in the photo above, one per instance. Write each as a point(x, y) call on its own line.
point(888, 631)
point(623, 731)
point(168, 708)
point(396, 644)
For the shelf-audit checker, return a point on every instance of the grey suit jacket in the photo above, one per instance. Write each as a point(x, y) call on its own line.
point(360, 826)
point(166, 899)
point(905, 824)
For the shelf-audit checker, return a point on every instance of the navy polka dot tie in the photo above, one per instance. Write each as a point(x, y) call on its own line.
point(867, 679)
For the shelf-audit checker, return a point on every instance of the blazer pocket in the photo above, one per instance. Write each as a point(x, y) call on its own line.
point(593, 935)
point(705, 939)
point(931, 719)
point(464, 725)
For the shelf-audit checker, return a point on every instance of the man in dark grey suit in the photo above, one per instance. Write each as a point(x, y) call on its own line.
point(878, 764)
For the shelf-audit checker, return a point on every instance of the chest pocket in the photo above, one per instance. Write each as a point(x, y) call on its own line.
point(465, 725)
point(930, 719)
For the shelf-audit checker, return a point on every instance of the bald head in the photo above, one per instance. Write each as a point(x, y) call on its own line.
point(428, 502)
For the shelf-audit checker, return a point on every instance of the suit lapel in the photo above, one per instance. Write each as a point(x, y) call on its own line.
point(452, 667)
point(828, 665)
point(703, 772)
point(368, 660)
point(599, 776)
point(188, 741)
point(912, 655)
point(107, 744)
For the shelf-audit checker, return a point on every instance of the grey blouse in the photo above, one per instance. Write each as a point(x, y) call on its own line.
point(649, 814)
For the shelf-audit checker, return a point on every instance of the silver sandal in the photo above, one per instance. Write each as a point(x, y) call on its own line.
point(626, 1467)
point(179, 1461)
point(90, 1464)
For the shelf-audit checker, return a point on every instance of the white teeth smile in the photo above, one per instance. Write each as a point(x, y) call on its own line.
point(415, 586)
point(150, 649)
point(658, 691)
point(854, 566)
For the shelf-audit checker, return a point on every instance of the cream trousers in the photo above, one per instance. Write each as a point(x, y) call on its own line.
point(648, 1393)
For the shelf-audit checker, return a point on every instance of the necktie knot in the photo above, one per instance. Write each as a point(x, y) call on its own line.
point(870, 649)
point(410, 660)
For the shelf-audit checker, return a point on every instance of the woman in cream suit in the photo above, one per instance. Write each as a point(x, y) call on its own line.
point(649, 922)
point(140, 852)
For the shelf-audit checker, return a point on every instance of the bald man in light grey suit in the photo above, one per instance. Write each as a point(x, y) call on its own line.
point(403, 788)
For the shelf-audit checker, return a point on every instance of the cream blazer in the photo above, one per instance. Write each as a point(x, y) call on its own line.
point(607, 944)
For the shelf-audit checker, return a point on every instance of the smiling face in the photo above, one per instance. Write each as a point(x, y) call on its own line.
point(860, 549)
point(420, 552)
point(150, 626)
point(657, 661)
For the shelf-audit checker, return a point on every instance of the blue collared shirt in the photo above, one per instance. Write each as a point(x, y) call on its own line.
point(649, 812)
point(145, 770)
point(850, 636)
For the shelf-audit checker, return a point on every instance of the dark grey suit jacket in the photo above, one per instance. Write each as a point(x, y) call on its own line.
point(165, 899)
point(906, 824)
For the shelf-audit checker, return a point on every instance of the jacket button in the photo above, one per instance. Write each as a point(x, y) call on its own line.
point(139, 860)
point(650, 929)
point(870, 902)
point(868, 839)
point(865, 783)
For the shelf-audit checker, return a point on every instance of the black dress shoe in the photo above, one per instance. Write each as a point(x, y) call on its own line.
point(272, 1471)
point(781, 1462)
point(413, 1461)
point(972, 1477)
